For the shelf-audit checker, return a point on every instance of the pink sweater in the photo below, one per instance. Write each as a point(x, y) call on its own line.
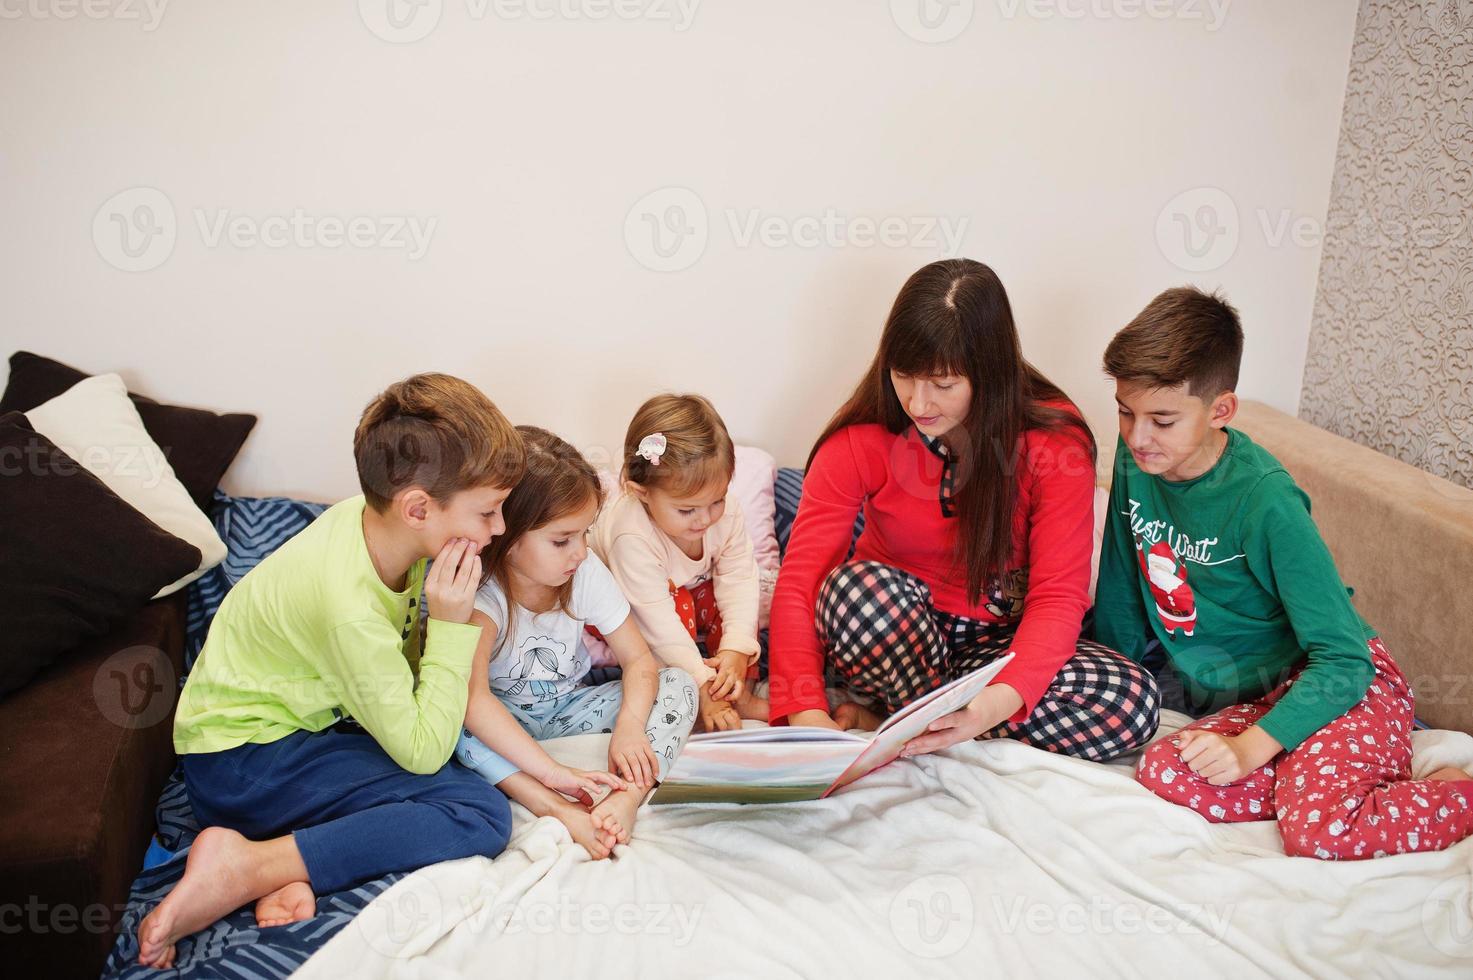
point(645, 561)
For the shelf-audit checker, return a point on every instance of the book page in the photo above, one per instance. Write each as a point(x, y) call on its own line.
point(756, 771)
point(947, 694)
point(792, 763)
point(793, 734)
point(912, 720)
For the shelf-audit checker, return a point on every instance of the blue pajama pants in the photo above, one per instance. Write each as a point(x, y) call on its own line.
point(355, 814)
point(589, 710)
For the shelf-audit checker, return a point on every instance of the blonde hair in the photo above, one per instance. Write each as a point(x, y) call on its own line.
point(436, 432)
point(698, 450)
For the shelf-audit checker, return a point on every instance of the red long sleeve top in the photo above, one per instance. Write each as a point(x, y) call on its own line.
point(909, 524)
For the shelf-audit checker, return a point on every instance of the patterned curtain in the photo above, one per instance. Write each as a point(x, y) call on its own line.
point(1390, 361)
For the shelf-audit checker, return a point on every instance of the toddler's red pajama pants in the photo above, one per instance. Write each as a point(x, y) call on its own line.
point(698, 612)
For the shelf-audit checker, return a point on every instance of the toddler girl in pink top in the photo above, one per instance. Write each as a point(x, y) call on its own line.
point(681, 553)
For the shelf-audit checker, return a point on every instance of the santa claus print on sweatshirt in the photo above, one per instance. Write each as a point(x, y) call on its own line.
point(1163, 554)
point(1167, 578)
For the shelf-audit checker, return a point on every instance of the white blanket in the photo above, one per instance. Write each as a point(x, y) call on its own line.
point(991, 859)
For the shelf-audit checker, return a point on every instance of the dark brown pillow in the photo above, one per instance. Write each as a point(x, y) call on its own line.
point(78, 560)
point(198, 444)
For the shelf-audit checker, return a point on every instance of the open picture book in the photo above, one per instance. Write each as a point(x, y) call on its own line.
point(787, 764)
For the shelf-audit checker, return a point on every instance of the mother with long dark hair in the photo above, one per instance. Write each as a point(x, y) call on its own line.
point(976, 478)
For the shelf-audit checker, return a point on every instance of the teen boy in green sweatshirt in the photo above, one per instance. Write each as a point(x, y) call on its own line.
point(1210, 550)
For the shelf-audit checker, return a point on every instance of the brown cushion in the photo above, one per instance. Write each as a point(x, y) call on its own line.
point(85, 749)
point(199, 445)
point(78, 560)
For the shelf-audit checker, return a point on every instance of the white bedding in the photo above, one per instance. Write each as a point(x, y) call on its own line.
point(991, 859)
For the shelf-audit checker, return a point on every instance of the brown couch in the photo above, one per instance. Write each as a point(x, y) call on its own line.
point(1403, 539)
point(85, 749)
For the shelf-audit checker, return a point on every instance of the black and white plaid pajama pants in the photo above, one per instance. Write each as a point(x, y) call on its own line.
point(886, 640)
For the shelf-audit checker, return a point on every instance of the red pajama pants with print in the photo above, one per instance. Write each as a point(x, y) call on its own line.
point(697, 610)
point(1345, 792)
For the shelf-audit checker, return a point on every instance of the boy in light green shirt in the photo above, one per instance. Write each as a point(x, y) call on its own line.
point(320, 637)
point(295, 800)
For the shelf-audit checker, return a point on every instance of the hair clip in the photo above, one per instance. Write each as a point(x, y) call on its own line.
point(652, 447)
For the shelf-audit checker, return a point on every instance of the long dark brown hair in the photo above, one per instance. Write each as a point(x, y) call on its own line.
point(558, 481)
point(953, 318)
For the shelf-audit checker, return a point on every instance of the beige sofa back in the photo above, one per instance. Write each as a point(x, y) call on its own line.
point(1403, 539)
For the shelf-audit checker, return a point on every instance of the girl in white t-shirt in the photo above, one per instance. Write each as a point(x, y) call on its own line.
point(542, 587)
point(681, 553)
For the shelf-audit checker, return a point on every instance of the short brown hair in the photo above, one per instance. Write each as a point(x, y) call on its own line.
point(698, 450)
point(436, 432)
point(1182, 336)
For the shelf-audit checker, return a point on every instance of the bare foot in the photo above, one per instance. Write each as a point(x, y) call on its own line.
point(596, 840)
point(850, 715)
point(605, 823)
point(289, 903)
point(217, 881)
point(1449, 774)
point(616, 813)
point(750, 705)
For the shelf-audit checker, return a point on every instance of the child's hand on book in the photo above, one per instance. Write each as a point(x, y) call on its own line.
point(630, 756)
point(450, 587)
point(731, 668)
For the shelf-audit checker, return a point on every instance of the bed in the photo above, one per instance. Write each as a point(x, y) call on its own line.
point(989, 859)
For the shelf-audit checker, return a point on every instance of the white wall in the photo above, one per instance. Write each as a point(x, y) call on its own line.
point(1057, 130)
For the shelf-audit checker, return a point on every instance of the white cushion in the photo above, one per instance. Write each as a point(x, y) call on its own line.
point(96, 424)
point(1102, 510)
